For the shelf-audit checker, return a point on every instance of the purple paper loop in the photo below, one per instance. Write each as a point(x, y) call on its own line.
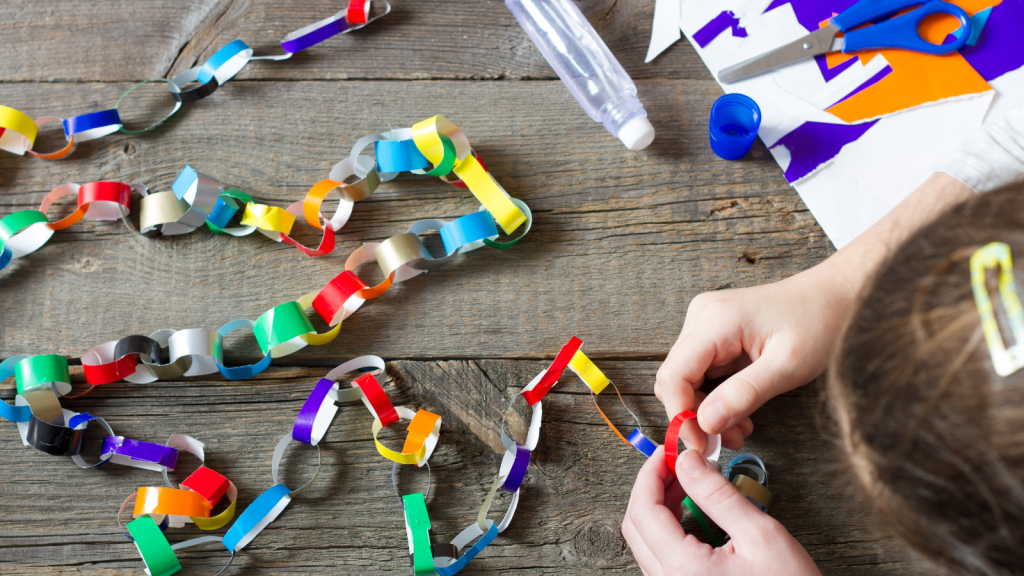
point(518, 472)
point(141, 451)
point(331, 27)
point(303, 429)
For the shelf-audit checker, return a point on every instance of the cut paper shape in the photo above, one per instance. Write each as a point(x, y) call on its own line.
point(1001, 50)
point(665, 29)
point(867, 83)
point(978, 22)
point(813, 144)
point(724, 21)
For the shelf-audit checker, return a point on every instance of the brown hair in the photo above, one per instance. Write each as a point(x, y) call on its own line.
point(934, 437)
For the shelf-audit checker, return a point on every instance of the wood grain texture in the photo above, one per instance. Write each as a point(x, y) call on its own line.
point(56, 519)
point(612, 228)
point(122, 40)
point(621, 243)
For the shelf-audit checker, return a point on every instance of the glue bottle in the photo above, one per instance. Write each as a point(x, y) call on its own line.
point(586, 66)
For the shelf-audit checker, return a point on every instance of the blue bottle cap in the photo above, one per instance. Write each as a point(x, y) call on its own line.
point(733, 125)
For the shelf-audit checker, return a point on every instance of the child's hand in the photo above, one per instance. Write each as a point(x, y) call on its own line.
point(759, 544)
point(774, 337)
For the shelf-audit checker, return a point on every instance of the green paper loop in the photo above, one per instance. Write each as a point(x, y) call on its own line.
point(529, 222)
point(419, 525)
point(39, 371)
point(153, 546)
point(14, 223)
point(280, 324)
point(703, 523)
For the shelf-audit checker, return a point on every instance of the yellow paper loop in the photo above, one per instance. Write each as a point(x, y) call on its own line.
point(270, 218)
point(490, 194)
point(11, 119)
point(588, 372)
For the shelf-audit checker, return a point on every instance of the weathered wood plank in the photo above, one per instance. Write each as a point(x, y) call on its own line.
point(57, 519)
point(121, 40)
point(613, 229)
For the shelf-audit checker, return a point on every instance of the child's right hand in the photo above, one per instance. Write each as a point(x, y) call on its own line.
point(758, 545)
point(774, 338)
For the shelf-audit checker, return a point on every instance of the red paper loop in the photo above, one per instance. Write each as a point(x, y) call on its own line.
point(672, 439)
point(554, 372)
point(356, 13)
point(105, 192)
point(332, 297)
point(96, 374)
point(378, 399)
point(208, 484)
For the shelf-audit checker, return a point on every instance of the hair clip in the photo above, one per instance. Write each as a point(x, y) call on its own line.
point(1005, 360)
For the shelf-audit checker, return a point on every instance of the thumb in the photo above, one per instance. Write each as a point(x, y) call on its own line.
point(745, 391)
point(716, 496)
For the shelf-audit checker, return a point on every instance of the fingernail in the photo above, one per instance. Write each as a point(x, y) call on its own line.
point(716, 417)
point(687, 445)
point(730, 445)
point(693, 462)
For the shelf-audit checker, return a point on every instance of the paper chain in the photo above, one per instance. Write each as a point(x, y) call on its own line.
point(196, 199)
point(46, 426)
point(18, 130)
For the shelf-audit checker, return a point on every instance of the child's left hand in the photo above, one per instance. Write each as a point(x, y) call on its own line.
point(759, 544)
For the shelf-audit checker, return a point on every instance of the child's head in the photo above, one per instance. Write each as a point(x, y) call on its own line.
point(934, 437)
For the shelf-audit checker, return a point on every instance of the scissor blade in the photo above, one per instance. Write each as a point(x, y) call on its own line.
point(817, 42)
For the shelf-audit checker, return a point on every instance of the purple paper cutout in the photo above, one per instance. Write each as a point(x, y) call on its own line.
point(719, 24)
point(830, 73)
point(303, 429)
point(141, 451)
point(810, 13)
point(1001, 48)
point(518, 472)
point(812, 144)
point(867, 84)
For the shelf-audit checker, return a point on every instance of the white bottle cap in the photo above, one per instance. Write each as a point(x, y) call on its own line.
point(637, 134)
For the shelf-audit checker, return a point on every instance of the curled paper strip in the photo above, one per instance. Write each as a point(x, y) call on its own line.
point(711, 450)
point(157, 553)
point(18, 131)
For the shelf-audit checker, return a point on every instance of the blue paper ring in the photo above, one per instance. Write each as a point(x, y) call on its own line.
point(641, 442)
point(92, 125)
point(399, 156)
point(253, 515)
point(469, 228)
point(221, 57)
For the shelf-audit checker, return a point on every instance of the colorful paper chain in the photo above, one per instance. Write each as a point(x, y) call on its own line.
point(196, 199)
point(18, 130)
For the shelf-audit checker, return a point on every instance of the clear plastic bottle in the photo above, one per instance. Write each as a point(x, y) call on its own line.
point(586, 66)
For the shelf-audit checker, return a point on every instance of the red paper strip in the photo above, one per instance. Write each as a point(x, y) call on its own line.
point(335, 294)
point(672, 439)
point(208, 484)
point(378, 399)
point(554, 372)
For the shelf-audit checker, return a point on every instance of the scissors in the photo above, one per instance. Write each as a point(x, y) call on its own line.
point(899, 32)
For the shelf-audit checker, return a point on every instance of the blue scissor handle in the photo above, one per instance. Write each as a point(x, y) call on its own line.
point(901, 31)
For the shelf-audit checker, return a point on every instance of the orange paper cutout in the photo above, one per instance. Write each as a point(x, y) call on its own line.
point(915, 78)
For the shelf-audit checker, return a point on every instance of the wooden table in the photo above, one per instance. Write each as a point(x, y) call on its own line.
point(620, 244)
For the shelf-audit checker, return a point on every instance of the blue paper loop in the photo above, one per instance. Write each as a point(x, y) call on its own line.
point(5, 257)
point(641, 442)
point(184, 181)
point(222, 214)
point(79, 125)
point(470, 554)
point(220, 58)
point(253, 515)
point(241, 372)
point(8, 412)
point(469, 228)
point(399, 156)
